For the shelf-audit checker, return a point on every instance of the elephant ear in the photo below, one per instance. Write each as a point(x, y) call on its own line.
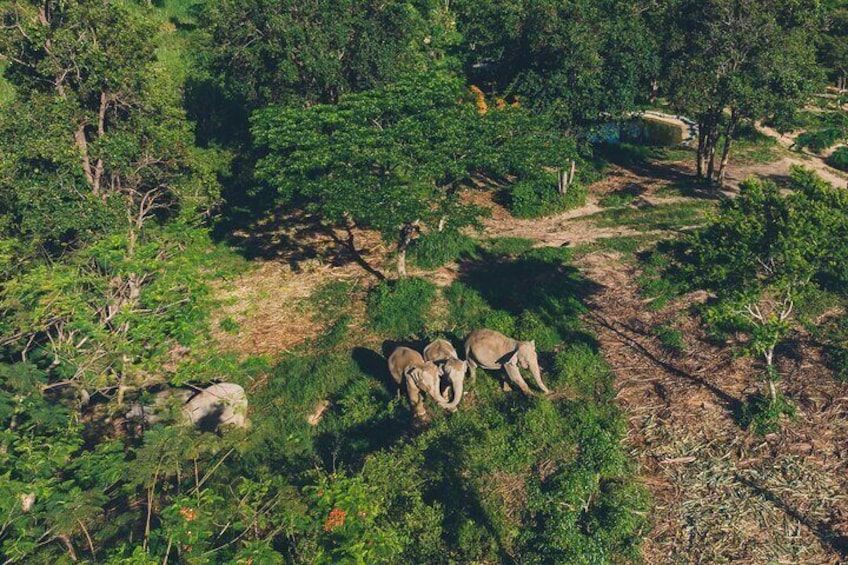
point(512, 359)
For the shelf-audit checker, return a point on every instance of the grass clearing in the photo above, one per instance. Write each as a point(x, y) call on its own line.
point(674, 216)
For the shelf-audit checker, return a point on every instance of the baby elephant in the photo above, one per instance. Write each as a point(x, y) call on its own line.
point(407, 366)
point(443, 354)
point(493, 350)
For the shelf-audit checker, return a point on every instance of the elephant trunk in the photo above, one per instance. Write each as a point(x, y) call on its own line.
point(457, 379)
point(537, 376)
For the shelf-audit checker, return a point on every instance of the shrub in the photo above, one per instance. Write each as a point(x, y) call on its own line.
point(466, 307)
point(400, 308)
point(500, 321)
point(537, 196)
point(434, 249)
point(818, 140)
point(670, 338)
point(839, 159)
point(531, 327)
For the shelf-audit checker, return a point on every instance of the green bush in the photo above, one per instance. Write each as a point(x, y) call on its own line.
point(467, 308)
point(818, 140)
point(500, 321)
point(839, 159)
point(670, 338)
point(434, 249)
point(537, 196)
point(400, 308)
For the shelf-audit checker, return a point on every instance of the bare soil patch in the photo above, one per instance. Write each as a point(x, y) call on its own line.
point(721, 494)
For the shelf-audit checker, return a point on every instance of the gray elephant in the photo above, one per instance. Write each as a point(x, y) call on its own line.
point(408, 368)
point(443, 354)
point(222, 404)
point(217, 405)
point(493, 350)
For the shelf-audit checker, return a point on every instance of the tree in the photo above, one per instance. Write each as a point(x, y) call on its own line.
point(584, 59)
point(737, 60)
point(833, 44)
point(393, 158)
point(304, 53)
point(387, 159)
point(761, 253)
point(103, 165)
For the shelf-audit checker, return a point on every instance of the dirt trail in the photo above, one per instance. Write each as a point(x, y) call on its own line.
point(780, 168)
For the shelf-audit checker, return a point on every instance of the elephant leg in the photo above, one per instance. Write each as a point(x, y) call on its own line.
point(472, 370)
point(515, 376)
point(416, 400)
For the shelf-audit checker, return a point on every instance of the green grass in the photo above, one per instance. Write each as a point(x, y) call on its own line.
point(617, 200)
point(435, 249)
point(627, 245)
point(670, 338)
point(331, 300)
point(400, 309)
point(508, 245)
point(752, 147)
point(671, 217)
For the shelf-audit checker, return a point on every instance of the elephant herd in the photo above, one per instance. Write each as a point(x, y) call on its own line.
point(440, 374)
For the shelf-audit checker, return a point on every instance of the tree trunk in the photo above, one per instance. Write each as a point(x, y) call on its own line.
point(772, 391)
point(407, 233)
point(712, 141)
point(702, 129)
point(725, 151)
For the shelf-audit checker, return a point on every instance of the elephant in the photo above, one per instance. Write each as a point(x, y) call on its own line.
point(493, 350)
point(408, 366)
point(222, 404)
point(442, 353)
point(217, 405)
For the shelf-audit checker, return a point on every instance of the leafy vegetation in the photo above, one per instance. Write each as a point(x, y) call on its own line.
point(839, 159)
point(147, 134)
point(760, 253)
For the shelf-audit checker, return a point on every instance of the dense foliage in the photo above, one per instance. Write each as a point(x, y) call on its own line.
point(138, 132)
point(733, 61)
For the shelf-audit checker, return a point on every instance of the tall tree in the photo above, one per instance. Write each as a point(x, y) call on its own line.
point(736, 60)
point(833, 43)
point(298, 52)
point(583, 58)
point(393, 158)
point(102, 166)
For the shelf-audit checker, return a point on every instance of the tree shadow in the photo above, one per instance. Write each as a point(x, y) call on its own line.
point(649, 162)
point(348, 438)
point(823, 531)
point(734, 405)
point(539, 282)
point(446, 461)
